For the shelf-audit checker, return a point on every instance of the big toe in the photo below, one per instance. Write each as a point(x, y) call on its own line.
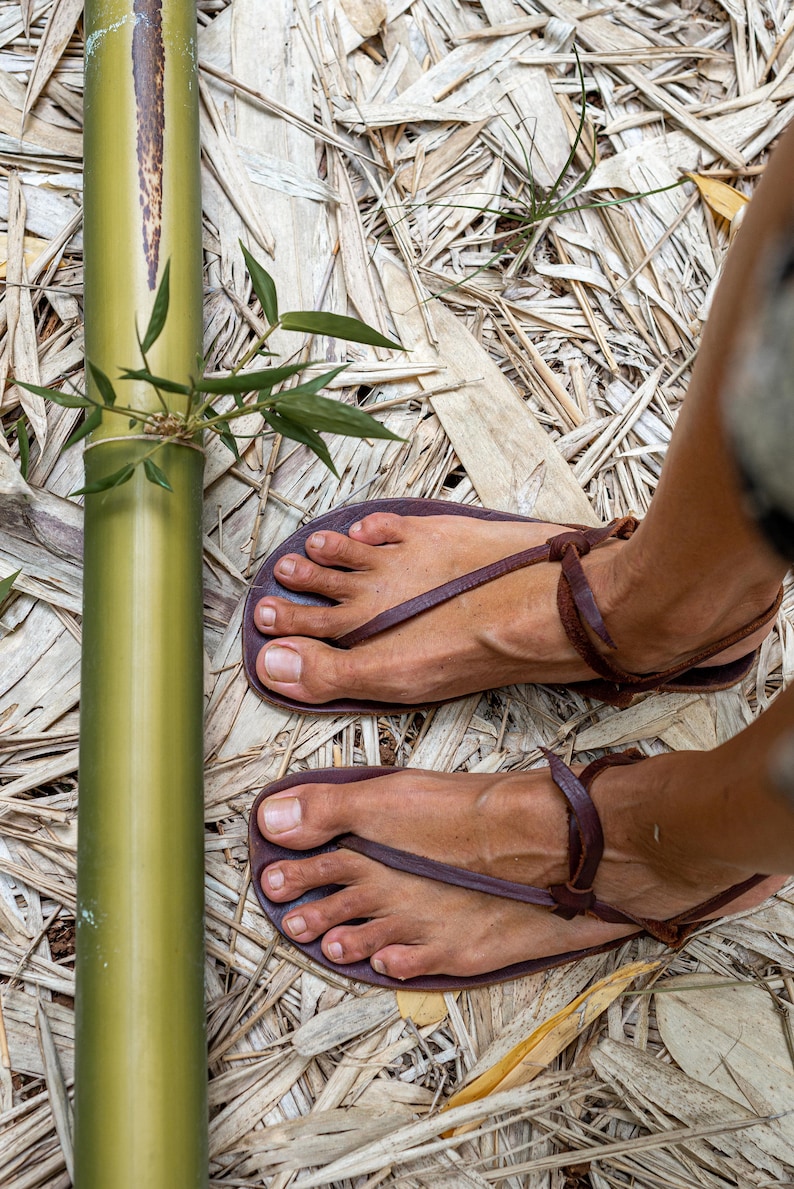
point(301, 817)
point(305, 670)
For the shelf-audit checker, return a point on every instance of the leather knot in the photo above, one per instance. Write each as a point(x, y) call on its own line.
point(560, 544)
point(572, 901)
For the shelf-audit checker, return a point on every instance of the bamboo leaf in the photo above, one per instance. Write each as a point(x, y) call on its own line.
point(228, 438)
point(301, 433)
point(159, 311)
point(6, 586)
point(92, 422)
point(264, 286)
point(106, 390)
point(146, 377)
point(723, 199)
point(250, 381)
point(69, 400)
point(531, 1056)
point(338, 326)
point(23, 442)
point(122, 475)
point(155, 475)
point(310, 387)
point(331, 416)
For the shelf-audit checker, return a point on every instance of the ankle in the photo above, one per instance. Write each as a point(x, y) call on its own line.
point(654, 826)
point(662, 617)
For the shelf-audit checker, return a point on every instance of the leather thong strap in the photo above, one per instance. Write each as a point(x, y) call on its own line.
point(575, 897)
point(585, 538)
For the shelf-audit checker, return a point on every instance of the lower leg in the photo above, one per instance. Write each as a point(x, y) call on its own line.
point(697, 534)
point(679, 829)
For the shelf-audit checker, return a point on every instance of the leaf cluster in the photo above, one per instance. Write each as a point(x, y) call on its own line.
point(300, 413)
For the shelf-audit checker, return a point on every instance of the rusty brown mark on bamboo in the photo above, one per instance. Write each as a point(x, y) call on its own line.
point(148, 69)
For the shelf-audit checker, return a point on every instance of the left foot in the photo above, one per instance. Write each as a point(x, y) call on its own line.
point(511, 826)
point(507, 631)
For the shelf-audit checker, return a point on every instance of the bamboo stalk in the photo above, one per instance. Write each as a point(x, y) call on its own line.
point(140, 1114)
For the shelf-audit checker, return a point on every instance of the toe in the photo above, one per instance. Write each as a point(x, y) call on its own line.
point(404, 961)
point(301, 573)
point(306, 670)
point(336, 549)
point(354, 943)
point(379, 528)
point(314, 918)
point(280, 617)
point(300, 818)
point(288, 879)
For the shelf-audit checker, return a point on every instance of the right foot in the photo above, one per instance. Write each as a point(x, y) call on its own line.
point(507, 631)
point(512, 826)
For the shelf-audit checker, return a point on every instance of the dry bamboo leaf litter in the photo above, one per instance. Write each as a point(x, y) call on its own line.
point(361, 143)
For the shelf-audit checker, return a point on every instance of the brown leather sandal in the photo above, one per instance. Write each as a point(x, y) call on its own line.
point(575, 600)
point(573, 898)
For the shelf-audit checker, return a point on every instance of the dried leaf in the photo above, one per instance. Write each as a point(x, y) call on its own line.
point(366, 16)
point(529, 1058)
point(724, 200)
point(54, 40)
point(32, 248)
point(423, 1007)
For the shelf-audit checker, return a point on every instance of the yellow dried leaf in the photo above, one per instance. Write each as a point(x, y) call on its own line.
point(33, 248)
point(423, 1007)
point(527, 1059)
point(724, 200)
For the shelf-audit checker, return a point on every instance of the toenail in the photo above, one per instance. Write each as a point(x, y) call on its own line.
point(266, 616)
point(296, 926)
point(317, 540)
point(357, 527)
point(283, 664)
point(335, 951)
point(286, 565)
point(378, 966)
point(275, 878)
point(282, 813)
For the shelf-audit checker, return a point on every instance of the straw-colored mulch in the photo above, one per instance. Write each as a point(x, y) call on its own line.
point(361, 141)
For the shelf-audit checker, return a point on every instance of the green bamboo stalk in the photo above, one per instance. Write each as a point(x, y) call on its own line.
point(140, 1111)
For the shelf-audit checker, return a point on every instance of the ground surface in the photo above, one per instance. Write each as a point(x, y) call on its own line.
point(411, 144)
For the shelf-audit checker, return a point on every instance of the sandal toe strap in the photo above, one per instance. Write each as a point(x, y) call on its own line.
point(579, 538)
point(575, 896)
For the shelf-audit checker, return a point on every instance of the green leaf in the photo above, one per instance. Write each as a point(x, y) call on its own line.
point(92, 421)
point(336, 325)
point(299, 433)
point(24, 447)
point(69, 400)
point(331, 416)
point(155, 475)
point(103, 384)
point(250, 381)
point(159, 311)
point(115, 480)
point(313, 385)
point(228, 438)
point(140, 373)
point(264, 286)
point(6, 585)
point(221, 428)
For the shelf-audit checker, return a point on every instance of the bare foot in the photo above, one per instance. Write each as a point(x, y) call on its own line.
point(504, 632)
point(510, 826)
